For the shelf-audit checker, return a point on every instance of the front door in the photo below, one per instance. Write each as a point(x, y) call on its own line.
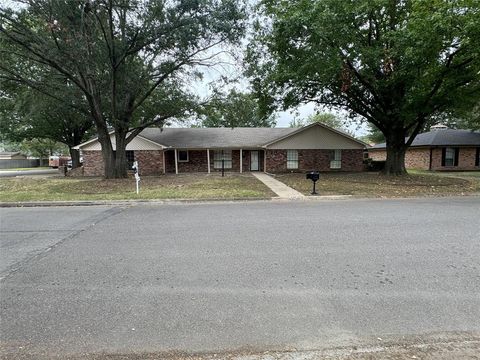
point(254, 160)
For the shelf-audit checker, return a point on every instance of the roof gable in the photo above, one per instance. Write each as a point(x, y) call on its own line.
point(316, 136)
point(138, 143)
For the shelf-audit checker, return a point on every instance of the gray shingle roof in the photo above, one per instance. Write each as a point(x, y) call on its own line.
point(202, 138)
point(447, 137)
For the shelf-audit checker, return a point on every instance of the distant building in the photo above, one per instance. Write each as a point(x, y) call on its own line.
point(439, 149)
point(12, 155)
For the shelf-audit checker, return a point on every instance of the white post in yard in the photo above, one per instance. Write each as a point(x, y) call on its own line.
point(137, 177)
point(176, 162)
point(208, 160)
point(241, 159)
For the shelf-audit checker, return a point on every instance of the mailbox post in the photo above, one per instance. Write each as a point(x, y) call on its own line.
point(137, 177)
point(314, 176)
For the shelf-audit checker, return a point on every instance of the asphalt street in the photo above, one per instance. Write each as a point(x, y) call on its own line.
point(229, 277)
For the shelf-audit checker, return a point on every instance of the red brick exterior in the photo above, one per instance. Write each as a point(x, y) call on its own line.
point(466, 159)
point(318, 159)
point(419, 158)
point(93, 163)
point(150, 162)
point(197, 162)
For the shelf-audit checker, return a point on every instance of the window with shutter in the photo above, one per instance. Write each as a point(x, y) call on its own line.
point(449, 158)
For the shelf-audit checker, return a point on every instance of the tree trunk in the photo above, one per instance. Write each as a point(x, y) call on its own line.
point(107, 153)
point(120, 159)
point(395, 163)
point(75, 155)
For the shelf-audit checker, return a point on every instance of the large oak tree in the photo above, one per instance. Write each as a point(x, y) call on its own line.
point(396, 64)
point(132, 60)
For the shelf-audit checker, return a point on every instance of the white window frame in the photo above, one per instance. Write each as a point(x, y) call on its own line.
point(450, 151)
point(184, 151)
point(292, 159)
point(217, 159)
point(336, 162)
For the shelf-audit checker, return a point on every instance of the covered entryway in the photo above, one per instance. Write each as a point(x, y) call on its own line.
point(254, 161)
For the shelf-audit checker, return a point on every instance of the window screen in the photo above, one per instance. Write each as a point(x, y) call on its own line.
point(226, 155)
point(336, 159)
point(292, 159)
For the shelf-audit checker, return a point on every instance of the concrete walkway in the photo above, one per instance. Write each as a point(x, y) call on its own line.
point(283, 191)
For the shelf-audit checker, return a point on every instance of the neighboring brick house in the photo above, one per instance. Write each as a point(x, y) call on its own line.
point(272, 150)
point(442, 149)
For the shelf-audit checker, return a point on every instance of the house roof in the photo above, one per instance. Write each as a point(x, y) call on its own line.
point(447, 137)
point(219, 138)
point(192, 138)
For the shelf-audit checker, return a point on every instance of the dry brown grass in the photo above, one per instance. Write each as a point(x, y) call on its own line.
point(377, 185)
point(182, 186)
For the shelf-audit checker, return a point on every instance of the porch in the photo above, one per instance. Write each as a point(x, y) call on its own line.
point(214, 160)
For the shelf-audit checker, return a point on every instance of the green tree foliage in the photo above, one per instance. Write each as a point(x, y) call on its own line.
point(132, 61)
point(373, 136)
point(28, 114)
point(328, 119)
point(41, 148)
point(236, 109)
point(397, 64)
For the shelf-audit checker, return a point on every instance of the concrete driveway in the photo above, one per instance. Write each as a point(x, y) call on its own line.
point(239, 278)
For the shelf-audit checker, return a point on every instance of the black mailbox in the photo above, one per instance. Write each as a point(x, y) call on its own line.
point(314, 176)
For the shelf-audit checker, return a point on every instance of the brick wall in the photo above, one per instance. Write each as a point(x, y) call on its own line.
point(318, 159)
point(93, 163)
point(150, 162)
point(420, 159)
point(466, 159)
point(377, 155)
point(414, 158)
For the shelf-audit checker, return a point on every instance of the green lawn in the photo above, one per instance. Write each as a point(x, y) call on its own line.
point(182, 186)
point(376, 185)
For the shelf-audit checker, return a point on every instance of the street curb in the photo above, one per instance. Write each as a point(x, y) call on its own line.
point(318, 198)
point(123, 202)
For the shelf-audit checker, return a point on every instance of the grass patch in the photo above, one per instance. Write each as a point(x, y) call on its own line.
point(182, 186)
point(377, 185)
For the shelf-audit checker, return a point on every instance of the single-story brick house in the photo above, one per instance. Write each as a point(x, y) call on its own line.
point(272, 150)
point(443, 149)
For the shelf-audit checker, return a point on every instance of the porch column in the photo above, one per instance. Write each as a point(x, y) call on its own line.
point(241, 159)
point(208, 160)
point(264, 160)
point(176, 162)
point(164, 166)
